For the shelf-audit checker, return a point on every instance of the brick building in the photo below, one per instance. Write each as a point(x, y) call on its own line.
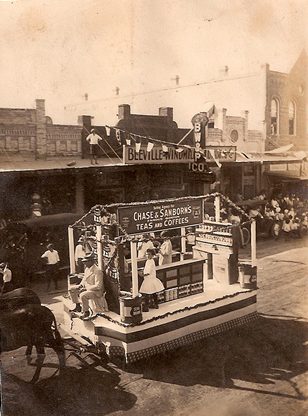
point(286, 106)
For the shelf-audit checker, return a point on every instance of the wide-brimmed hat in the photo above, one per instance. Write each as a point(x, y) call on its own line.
point(2, 265)
point(88, 257)
point(164, 234)
point(50, 245)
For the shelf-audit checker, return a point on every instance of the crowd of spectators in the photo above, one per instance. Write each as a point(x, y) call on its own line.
point(280, 213)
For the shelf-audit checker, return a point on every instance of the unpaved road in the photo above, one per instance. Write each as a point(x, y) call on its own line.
point(258, 370)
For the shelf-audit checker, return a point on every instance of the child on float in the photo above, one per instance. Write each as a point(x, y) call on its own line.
point(150, 285)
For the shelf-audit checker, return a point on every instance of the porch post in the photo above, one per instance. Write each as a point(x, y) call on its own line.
point(217, 208)
point(71, 249)
point(253, 243)
point(133, 250)
point(99, 246)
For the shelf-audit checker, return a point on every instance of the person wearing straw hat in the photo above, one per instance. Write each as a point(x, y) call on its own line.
point(90, 288)
point(93, 138)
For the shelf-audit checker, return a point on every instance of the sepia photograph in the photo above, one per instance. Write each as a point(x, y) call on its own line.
point(153, 207)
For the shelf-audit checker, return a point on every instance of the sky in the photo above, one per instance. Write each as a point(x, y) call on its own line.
point(62, 50)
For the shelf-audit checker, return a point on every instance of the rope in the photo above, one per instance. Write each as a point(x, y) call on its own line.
point(113, 150)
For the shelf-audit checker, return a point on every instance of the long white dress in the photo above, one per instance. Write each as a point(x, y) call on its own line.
point(150, 283)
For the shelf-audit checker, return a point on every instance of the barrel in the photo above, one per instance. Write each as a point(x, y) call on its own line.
point(130, 309)
point(247, 276)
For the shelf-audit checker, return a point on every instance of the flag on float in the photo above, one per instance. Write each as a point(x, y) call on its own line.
point(179, 149)
point(165, 148)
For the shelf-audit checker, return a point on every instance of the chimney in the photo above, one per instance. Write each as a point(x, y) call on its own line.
point(41, 131)
point(85, 121)
point(123, 111)
point(166, 112)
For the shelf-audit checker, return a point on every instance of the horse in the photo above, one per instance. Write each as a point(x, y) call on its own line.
point(31, 325)
point(18, 298)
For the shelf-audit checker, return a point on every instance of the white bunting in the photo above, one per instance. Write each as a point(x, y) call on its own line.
point(138, 147)
point(150, 146)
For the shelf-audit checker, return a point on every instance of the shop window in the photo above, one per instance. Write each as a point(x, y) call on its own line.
point(292, 117)
point(274, 117)
point(234, 136)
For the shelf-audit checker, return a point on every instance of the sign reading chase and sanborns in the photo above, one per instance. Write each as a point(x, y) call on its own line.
point(156, 155)
point(160, 216)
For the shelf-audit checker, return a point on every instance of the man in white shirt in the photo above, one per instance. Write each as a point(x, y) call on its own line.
point(52, 265)
point(93, 140)
point(90, 288)
point(6, 277)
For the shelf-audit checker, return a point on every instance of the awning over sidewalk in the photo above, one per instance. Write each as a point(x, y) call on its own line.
point(287, 176)
point(243, 157)
point(55, 164)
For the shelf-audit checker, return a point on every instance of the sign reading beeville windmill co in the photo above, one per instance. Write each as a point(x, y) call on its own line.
point(160, 215)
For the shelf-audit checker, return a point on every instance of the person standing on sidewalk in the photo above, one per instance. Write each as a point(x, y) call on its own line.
point(6, 277)
point(52, 266)
point(93, 140)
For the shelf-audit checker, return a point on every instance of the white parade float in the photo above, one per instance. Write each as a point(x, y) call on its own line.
point(206, 291)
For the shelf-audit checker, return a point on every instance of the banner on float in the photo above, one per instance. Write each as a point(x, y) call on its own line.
point(158, 216)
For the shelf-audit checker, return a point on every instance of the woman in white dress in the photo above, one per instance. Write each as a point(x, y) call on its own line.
point(150, 285)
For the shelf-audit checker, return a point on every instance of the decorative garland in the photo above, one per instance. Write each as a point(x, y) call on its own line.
point(127, 237)
point(166, 315)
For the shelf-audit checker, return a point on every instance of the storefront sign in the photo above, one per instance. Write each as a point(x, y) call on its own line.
point(156, 155)
point(158, 216)
point(221, 153)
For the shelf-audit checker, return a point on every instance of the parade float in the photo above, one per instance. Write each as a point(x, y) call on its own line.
point(207, 290)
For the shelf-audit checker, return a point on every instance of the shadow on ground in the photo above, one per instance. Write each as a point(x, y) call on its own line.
point(263, 353)
point(79, 392)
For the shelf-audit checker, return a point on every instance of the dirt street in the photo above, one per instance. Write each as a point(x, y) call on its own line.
point(256, 370)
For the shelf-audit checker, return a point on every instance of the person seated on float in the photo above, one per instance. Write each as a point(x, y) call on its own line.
point(165, 250)
point(151, 285)
point(90, 288)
